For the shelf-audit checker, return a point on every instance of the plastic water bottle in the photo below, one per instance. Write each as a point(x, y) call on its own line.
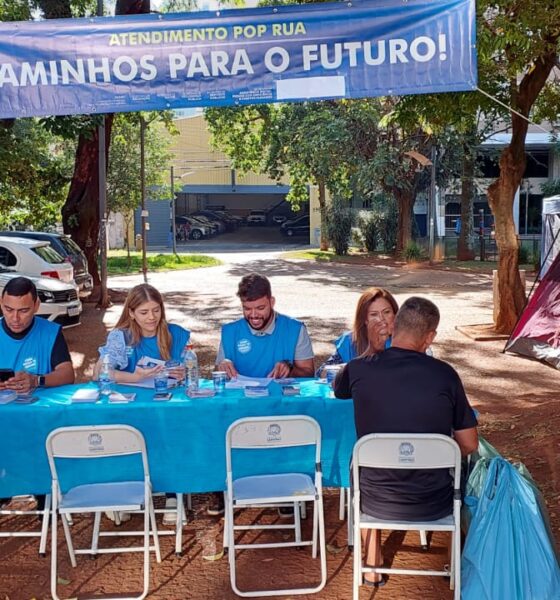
point(106, 376)
point(191, 369)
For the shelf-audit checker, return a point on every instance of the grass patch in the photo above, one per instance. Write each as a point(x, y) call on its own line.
point(117, 262)
point(354, 255)
point(486, 266)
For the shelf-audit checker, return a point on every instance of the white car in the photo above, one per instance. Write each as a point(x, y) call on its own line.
point(256, 217)
point(59, 300)
point(34, 257)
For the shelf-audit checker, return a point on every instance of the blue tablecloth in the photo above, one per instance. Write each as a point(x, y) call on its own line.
point(185, 437)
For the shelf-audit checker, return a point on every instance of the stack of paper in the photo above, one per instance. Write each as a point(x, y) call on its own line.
point(290, 390)
point(85, 395)
point(7, 396)
point(256, 390)
point(241, 382)
point(201, 393)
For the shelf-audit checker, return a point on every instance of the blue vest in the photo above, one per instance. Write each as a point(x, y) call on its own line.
point(346, 348)
point(147, 346)
point(255, 355)
point(33, 352)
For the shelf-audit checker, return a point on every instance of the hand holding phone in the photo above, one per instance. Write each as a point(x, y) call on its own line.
point(6, 374)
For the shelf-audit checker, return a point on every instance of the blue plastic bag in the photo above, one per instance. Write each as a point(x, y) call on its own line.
point(508, 554)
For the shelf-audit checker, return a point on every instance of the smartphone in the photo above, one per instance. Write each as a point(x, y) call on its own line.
point(162, 396)
point(6, 374)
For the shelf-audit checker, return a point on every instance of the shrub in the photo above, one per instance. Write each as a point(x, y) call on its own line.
point(339, 227)
point(523, 255)
point(368, 225)
point(413, 252)
point(357, 238)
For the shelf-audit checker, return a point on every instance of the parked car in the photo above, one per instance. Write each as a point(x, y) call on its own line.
point(212, 226)
point(297, 226)
point(68, 249)
point(227, 224)
point(256, 217)
point(196, 231)
point(59, 300)
point(34, 257)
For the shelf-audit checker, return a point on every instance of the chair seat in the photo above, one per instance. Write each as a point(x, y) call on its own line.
point(443, 524)
point(117, 496)
point(266, 488)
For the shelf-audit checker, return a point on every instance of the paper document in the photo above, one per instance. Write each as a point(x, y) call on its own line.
point(241, 382)
point(148, 362)
point(85, 395)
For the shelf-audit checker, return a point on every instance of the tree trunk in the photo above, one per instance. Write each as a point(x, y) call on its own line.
point(80, 213)
point(465, 249)
point(501, 194)
point(405, 203)
point(324, 244)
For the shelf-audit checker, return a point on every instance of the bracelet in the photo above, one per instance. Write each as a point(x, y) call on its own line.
point(289, 364)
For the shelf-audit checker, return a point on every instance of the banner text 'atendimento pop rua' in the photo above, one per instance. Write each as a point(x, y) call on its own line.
point(234, 57)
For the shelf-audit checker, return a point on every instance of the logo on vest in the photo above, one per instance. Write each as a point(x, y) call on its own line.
point(30, 364)
point(406, 453)
point(244, 346)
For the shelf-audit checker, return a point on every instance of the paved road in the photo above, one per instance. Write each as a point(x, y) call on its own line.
point(324, 295)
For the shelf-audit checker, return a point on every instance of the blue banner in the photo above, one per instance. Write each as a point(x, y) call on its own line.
point(235, 57)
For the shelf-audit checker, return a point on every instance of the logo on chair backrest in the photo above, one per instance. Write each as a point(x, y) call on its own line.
point(95, 441)
point(274, 433)
point(406, 453)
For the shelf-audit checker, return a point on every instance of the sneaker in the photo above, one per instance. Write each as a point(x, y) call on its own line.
point(170, 517)
point(286, 512)
point(216, 506)
point(117, 517)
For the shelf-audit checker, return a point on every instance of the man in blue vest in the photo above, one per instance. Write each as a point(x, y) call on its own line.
point(264, 343)
point(33, 348)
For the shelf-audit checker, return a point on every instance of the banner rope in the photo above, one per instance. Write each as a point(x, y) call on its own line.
point(511, 109)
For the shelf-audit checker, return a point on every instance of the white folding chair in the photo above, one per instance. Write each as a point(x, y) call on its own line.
point(91, 442)
point(283, 489)
point(41, 514)
point(407, 451)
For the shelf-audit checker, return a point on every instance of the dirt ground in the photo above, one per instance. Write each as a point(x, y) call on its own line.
point(518, 402)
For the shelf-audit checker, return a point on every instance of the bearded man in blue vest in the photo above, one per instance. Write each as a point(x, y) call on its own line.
point(264, 343)
point(33, 348)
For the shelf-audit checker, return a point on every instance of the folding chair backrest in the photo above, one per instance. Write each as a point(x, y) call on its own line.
point(273, 432)
point(95, 441)
point(408, 451)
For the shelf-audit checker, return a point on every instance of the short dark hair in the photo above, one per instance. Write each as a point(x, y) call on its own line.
point(417, 316)
point(254, 286)
point(20, 286)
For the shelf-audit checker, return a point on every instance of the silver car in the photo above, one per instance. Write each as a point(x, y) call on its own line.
point(59, 300)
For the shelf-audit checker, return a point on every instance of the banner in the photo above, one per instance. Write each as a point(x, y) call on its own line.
point(235, 57)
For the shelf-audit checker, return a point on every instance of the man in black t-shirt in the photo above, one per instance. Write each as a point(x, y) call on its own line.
point(402, 390)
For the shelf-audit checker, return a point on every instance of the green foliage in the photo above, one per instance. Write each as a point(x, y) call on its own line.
point(118, 263)
point(551, 187)
point(339, 227)
point(368, 224)
point(413, 252)
point(123, 176)
point(35, 169)
point(14, 10)
point(523, 255)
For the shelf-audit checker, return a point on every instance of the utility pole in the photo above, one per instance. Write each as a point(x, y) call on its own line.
point(103, 301)
point(144, 213)
point(432, 212)
point(173, 229)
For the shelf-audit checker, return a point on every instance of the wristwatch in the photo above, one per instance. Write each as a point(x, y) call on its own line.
point(289, 364)
point(40, 381)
